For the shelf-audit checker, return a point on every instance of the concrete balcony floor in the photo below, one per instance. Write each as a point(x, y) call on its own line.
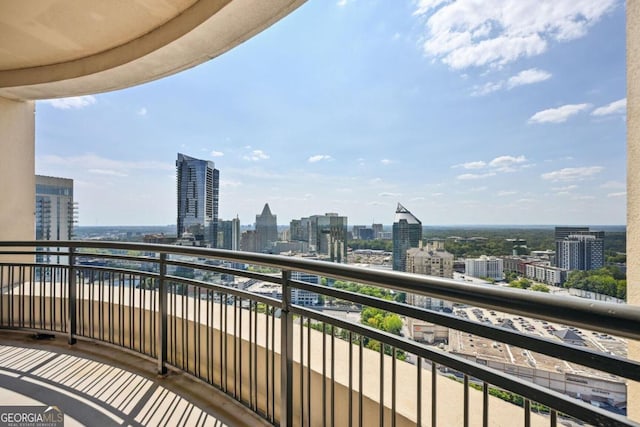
point(95, 385)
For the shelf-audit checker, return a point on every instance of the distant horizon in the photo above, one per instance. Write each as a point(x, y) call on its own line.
point(389, 225)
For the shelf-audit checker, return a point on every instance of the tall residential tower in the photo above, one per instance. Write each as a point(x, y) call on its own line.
point(55, 212)
point(198, 183)
point(407, 233)
point(577, 248)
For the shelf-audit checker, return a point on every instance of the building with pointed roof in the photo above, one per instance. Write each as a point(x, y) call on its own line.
point(407, 233)
point(266, 230)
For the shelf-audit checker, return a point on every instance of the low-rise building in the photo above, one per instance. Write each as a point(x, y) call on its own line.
point(486, 267)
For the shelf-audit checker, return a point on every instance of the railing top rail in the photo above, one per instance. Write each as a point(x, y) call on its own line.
point(618, 319)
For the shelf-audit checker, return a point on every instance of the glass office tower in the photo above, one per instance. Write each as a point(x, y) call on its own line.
point(198, 183)
point(407, 233)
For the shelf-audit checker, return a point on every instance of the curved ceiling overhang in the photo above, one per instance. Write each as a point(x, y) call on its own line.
point(43, 54)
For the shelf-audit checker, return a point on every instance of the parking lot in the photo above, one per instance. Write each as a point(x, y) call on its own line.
point(467, 343)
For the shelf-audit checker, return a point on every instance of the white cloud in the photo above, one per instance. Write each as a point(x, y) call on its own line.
point(572, 174)
point(470, 33)
point(94, 162)
point(620, 194)
point(472, 176)
point(217, 153)
point(425, 6)
point(389, 194)
point(142, 112)
point(507, 163)
point(487, 88)
point(616, 107)
point(386, 162)
point(527, 77)
point(437, 194)
point(583, 197)
point(318, 157)
point(76, 102)
point(558, 115)
point(565, 189)
point(226, 183)
point(478, 189)
point(613, 184)
point(471, 165)
point(342, 3)
point(256, 156)
point(506, 193)
point(107, 172)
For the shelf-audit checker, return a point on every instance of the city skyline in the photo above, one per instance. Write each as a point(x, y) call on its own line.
point(514, 115)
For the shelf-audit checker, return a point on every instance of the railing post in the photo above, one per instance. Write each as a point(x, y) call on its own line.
point(162, 315)
point(72, 301)
point(286, 354)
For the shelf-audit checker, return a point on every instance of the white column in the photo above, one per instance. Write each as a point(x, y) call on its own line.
point(17, 170)
point(633, 185)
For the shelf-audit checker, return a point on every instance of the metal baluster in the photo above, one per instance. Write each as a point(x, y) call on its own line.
point(286, 354)
point(485, 404)
point(71, 312)
point(162, 316)
point(466, 401)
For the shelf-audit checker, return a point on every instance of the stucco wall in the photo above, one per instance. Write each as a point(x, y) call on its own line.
point(17, 173)
point(633, 182)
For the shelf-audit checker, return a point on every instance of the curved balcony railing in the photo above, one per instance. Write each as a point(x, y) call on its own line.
point(295, 364)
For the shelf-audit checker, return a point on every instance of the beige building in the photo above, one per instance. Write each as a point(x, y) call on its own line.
point(430, 260)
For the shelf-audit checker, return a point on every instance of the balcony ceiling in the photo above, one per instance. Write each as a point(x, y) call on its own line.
point(59, 48)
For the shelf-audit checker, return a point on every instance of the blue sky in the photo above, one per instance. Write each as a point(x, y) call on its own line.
point(466, 112)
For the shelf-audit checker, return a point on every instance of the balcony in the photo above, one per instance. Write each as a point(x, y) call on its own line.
point(297, 365)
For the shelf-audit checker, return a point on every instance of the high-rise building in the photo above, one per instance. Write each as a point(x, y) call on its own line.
point(577, 248)
point(325, 234)
point(377, 230)
point(432, 260)
point(230, 233)
point(299, 230)
point(248, 241)
point(407, 233)
point(328, 234)
point(266, 230)
point(198, 183)
point(55, 212)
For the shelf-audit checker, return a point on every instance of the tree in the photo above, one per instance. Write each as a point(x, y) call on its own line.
point(539, 287)
point(400, 297)
point(520, 284)
point(609, 280)
point(380, 319)
point(511, 276)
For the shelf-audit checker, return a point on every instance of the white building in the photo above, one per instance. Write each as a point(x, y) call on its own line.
point(489, 267)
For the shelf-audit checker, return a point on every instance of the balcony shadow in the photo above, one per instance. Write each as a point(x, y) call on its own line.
point(98, 385)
